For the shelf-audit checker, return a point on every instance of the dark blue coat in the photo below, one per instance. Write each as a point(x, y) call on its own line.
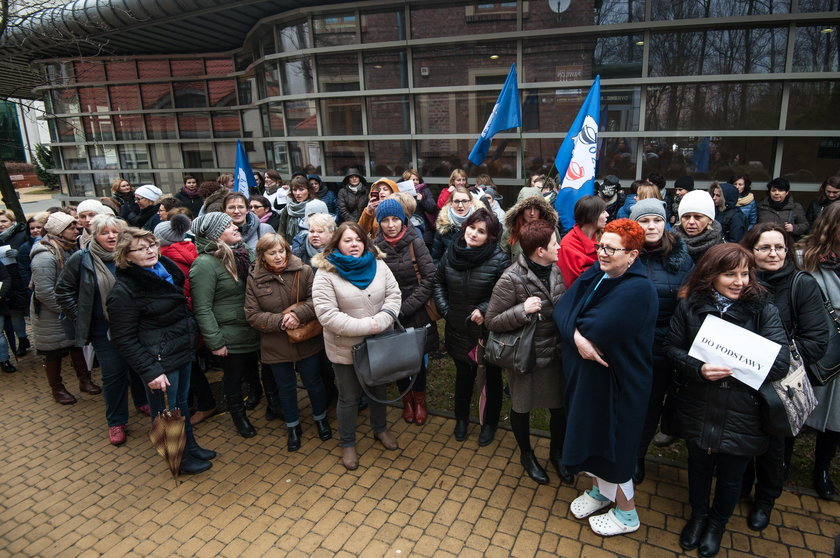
point(606, 407)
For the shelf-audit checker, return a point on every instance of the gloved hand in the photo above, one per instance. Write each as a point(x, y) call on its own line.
point(11, 253)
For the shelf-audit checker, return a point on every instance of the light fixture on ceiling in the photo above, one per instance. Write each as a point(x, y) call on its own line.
point(827, 30)
point(640, 43)
point(494, 57)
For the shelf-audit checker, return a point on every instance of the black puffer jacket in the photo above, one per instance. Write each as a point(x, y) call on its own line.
point(18, 297)
point(76, 292)
point(351, 204)
point(414, 295)
point(458, 292)
point(151, 325)
point(722, 416)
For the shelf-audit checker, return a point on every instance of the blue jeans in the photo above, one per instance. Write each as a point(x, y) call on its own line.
point(115, 380)
point(4, 345)
point(178, 391)
point(310, 373)
point(19, 323)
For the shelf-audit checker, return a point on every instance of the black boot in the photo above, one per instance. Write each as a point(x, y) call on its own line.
point(710, 540)
point(823, 485)
point(23, 346)
point(191, 465)
point(639, 472)
point(197, 451)
point(253, 395)
point(273, 410)
point(239, 418)
point(562, 472)
point(759, 517)
point(461, 429)
point(488, 432)
point(693, 530)
point(324, 430)
point(533, 468)
point(293, 443)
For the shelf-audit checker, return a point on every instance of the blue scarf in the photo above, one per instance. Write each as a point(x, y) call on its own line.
point(359, 271)
point(161, 272)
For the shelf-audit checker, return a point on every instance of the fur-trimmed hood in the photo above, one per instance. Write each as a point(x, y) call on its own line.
point(319, 261)
point(676, 258)
point(548, 212)
point(444, 224)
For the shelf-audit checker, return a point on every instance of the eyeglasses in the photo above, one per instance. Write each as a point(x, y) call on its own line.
point(256, 206)
point(768, 249)
point(460, 202)
point(609, 250)
point(149, 248)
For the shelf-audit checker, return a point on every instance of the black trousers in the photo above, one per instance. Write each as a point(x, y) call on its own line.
point(662, 378)
point(729, 472)
point(767, 471)
point(520, 423)
point(465, 379)
point(235, 368)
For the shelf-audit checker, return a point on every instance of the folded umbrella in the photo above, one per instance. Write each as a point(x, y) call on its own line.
point(169, 436)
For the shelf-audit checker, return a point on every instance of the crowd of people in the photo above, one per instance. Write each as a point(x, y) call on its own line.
point(282, 282)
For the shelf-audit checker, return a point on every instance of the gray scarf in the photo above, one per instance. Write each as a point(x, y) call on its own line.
point(459, 221)
point(104, 278)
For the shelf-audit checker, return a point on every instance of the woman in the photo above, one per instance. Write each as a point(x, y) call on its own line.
point(451, 219)
point(352, 197)
point(821, 258)
point(14, 235)
point(379, 191)
point(716, 414)
point(146, 198)
point(5, 286)
point(355, 295)
point(324, 193)
point(51, 338)
point(259, 189)
point(665, 260)
point(732, 220)
point(82, 291)
point(577, 249)
point(772, 248)
point(123, 193)
point(154, 332)
point(746, 199)
point(166, 204)
point(474, 261)
point(828, 193)
point(608, 376)
point(410, 262)
point(779, 207)
point(275, 191)
point(189, 195)
point(525, 211)
point(458, 179)
point(261, 207)
point(697, 226)
point(217, 286)
point(528, 290)
point(289, 222)
point(427, 208)
point(321, 229)
point(277, 281)
point(249, 226)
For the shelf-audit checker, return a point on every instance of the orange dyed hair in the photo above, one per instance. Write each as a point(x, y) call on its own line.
point(632, 234)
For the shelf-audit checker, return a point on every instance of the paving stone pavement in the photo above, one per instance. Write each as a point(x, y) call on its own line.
point(65, 491)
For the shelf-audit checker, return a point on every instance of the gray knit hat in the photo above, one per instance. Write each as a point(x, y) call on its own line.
point(211, 225)
point(649, 206)
point(173, 230)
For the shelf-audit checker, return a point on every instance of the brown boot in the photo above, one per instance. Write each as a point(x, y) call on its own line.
point(408, 407)
point(420, 413)
point(59, 392)
point(86, 385)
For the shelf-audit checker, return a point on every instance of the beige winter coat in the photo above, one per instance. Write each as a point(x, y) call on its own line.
point(345, 310)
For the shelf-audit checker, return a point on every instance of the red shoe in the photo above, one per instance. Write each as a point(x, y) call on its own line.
point(145, 409)
point(116, 434)
point(420, 412)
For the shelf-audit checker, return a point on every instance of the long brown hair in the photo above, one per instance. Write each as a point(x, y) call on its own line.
point(719, 259)
point(824, 239)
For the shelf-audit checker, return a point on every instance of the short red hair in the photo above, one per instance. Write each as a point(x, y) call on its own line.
point(632, 234)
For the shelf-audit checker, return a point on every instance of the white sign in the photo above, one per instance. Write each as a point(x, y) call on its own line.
point(4, 259)
point(750, 356)
point(407, 186)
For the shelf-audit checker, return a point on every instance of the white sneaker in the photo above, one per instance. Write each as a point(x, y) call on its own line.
point(608, 525)
point(585, 505)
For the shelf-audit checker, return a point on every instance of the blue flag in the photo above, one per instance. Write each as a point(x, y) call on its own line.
point(243, 176)
point(505, 115)
point(576, 158)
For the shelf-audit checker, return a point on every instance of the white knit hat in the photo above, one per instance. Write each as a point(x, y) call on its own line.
point(148, 191)
point(697, 201)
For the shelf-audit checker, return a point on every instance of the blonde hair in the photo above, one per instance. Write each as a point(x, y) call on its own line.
point(9, 215)
point(323, 220)
point(124, 244)
point(115, 186)
point(456, 174)
point(42, 217)
point(104, 221)
point(647, 190)
point(407, 201)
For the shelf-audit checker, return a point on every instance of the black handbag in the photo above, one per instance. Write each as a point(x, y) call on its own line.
point(513, 350)
point(826, 368)
point(389, 356)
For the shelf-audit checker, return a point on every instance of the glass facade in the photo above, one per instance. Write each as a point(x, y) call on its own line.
point(729, 86)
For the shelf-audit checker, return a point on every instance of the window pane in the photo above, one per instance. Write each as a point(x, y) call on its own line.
point(226, 124)
point(444, 20)
point(166, 156)
point(582, 59)
point(134, 156)
point(618, 156)
point(103, 157)
point(198, 155)
point(194, 125)
point(190, 94)
point(389, 158)
point(98, 128)
point(294, 155)
point(65, 101)
point(255, 150)
point(334, 30)
point(272, 79)
point(184, 68)
point(74, 157)
point(124, 97)
point(620, 106)
point(687, 9)
point(709, 158)
point(818, 6)
point(80, 184)
point(719, 51)
point(341, 155)
point(341, 116)
point(160, 126)
point(121, 71)
point(226, 155)
point(815, 51)
point(462, 65)
point(153, 69)
point(297, 76)
point(813, 106)
point(294, 36)
point(156, 96)
point(301, 118)
point(93, 99)
point(69, 129)
point(89, 71)
point(383, 26)
point(273, 119)
point(251, 123)
point(128, 126)
point(222, 93)
point(219, 66)
point(714, 106)
point(388, 115)
point(338, 72)
point(385, 70)
point(245, 86)
point(448, 113)
point(810, 159)
point(266, 35)
point(438, 158)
